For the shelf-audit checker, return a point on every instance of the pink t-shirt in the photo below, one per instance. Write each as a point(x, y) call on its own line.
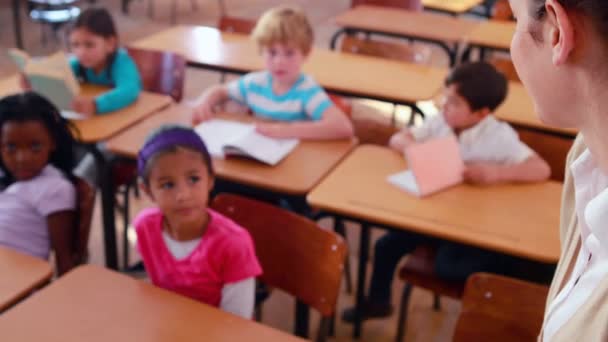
point(224, 255)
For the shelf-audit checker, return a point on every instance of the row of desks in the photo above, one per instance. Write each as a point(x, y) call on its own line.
point(94, 304)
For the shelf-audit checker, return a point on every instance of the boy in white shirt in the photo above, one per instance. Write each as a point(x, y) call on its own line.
point(492, 153)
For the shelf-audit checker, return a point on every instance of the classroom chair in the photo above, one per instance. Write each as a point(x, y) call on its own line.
point(85, 194)
point(161, 72)
point(296, 255)
point(552, 148)
point(419, 271)
point(53, 14)
point(497, 308)
point(414, 5)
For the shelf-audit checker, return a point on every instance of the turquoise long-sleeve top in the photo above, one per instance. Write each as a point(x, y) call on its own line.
point(122, 76)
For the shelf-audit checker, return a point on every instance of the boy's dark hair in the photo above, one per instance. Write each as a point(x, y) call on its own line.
point(480, 84)
point(30, 106)
point(98, 21)
point(173, 148)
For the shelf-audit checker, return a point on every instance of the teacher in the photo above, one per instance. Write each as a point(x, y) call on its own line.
point(560, 51)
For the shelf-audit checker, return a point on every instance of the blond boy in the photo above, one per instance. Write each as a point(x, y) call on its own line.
point(296, 104)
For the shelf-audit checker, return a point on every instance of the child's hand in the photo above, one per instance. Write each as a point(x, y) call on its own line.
point(202, 112)
point(483, 174)
point(273, 130)
point(24, 83)
point(84, 105)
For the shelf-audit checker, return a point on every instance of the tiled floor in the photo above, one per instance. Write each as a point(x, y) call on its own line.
point(424, 323)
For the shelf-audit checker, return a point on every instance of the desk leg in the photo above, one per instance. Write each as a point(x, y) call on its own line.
point(125, 6)
point(17, 23)
point(108, 204)
point(334, 38)
point(361, 275)
point(302, 319)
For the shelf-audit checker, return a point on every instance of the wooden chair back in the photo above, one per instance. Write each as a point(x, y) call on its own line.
point(497, 308)
point(296, 255)
point(502, 10)
point(236, 25)
point(85, 196)
point(413, 5)
point(161, 72)
point(553, 149)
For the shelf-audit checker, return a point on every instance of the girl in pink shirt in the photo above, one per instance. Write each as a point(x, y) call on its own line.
point(185, 246)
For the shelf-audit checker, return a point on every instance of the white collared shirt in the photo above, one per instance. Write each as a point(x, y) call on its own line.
point(591, 195)
point(490, 140)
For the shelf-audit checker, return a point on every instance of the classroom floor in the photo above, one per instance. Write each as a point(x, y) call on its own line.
point(423, 324)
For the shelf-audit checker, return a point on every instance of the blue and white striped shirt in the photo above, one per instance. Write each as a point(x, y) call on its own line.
point(306, 100)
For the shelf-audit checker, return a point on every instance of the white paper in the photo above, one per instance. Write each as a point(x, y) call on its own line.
point(218, 133)
point(406, 181)
point(71, 115)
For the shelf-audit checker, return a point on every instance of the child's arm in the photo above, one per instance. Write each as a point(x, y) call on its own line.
point(127, 86)
point(533, 169)
point(211, 98)
point(60, 225)
point(400, 140)
point(333, 125)
point(239, 298)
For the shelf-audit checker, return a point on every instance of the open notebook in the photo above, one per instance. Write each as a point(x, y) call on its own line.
point(49, 76)
point(229, 138)
point(433, 166)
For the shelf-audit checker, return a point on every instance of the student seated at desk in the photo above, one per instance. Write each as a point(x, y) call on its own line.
point(99, 60)
point(492, 153)
point(37, 191)
point(185, 246)
point(282, 93)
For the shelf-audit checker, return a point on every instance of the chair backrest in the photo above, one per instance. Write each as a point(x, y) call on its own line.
point(161, 72)
point(553, 149)
point(296, 255)
point(497, 308)
point(502, 10)
point(85, 196)
point(375, 48)
point(414, 5)
point(505, 65)
point(236, 25)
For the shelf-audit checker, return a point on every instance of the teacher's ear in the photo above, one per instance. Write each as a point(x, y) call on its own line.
point(562, 32)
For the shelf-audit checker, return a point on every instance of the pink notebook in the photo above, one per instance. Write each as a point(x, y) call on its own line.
point(433, 166)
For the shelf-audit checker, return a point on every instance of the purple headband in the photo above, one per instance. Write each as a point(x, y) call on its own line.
point(172, 137)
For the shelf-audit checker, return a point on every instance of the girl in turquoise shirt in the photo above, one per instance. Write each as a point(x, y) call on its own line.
point(99, 60)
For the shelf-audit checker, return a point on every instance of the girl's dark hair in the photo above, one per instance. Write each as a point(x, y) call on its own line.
point(204, 152)
point(480, 84)
point(98, 21)
point(596, 10)
point(30, 106)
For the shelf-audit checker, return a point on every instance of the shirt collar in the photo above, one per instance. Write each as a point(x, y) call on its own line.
point(591, 191)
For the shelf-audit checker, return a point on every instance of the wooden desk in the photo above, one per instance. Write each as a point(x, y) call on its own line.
point(20, 275)
point(521, 220)
point(102, 127)
point(518, 109)
point(492, 34)
point(452, 6)
point(424, 26)
point(343, 73)
point(297, 174)
point(97, 305)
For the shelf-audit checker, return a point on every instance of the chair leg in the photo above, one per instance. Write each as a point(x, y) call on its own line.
point(150, 9)
point(194, 5)
point(324, 328)
point(339, 228)
point(257, 313)
point(125, 233)
point(402, 321)
point(436, 302)
point(332, 326)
